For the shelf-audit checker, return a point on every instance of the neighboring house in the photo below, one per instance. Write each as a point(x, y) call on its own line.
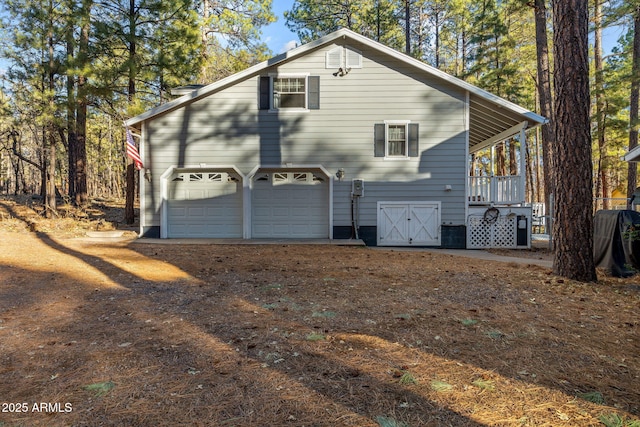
point(340, 138)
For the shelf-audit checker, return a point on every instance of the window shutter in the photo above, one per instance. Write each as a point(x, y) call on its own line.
point(334, 58)
point(313, 102)
point(354, 58)
point(414, 146)
point(379, 139)
point(264, 84)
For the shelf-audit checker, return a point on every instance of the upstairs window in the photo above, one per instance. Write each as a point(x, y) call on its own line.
point(289, 92)
point(396, 139)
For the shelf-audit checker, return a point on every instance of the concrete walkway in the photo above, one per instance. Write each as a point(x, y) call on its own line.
point(480, 254)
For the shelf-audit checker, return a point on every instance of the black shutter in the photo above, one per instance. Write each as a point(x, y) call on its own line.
point(264, 84)
point(414, 145)
point(379, 139)
point(314, 93)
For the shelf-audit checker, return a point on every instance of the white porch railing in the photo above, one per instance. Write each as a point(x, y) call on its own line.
point(495, 189)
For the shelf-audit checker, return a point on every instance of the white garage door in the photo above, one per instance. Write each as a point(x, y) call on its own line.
point(204, 205)
point(290, 205)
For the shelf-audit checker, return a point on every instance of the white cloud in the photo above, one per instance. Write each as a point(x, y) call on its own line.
point(289, 45)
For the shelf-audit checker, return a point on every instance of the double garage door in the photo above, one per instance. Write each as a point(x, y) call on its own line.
point(284, 204)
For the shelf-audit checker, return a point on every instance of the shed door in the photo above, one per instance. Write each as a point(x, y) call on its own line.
point(204, 205)
point(408, 223)
point(290, 205)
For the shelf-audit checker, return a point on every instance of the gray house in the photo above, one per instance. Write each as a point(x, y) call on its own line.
point(340, 138)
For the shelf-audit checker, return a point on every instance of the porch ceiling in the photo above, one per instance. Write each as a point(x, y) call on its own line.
point(491, 122)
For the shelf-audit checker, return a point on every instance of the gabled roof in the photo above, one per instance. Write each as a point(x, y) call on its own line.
point(492, 119)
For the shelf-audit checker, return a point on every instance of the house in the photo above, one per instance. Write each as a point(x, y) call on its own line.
point(339, 138)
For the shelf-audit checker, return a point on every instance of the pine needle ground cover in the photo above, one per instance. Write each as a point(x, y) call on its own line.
point(127, 333)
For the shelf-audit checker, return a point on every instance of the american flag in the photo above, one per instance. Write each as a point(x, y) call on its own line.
point(132, 151)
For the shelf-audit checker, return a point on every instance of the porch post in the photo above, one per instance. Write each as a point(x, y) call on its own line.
point(523, 165)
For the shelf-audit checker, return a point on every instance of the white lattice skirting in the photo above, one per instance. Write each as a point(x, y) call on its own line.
point(482, 234)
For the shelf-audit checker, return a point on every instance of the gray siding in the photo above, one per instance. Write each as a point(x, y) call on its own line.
point(226, 128)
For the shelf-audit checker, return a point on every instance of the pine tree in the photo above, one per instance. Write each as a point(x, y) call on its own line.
point(573, 230)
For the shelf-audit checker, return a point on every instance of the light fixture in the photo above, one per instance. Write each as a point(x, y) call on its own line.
point(340, 174)
point(342, 72)
point(147, 175)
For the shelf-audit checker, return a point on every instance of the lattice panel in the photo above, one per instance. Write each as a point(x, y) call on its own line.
point(500, 234)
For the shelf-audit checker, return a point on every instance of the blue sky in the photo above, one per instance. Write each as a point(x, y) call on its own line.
point(280, 39)
point(277, 36)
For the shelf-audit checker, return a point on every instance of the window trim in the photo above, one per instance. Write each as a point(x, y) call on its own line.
point(273, 76)
point(388, 123)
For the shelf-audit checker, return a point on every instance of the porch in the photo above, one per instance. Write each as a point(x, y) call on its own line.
point(496, 190)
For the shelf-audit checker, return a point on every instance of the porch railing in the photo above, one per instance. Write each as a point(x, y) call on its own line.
point(495, 189)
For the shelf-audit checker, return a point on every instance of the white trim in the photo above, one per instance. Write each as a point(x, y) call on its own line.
point(143, 182)
point(523, 167)
point(514, 130)
point(164, 188)
point(466, 160)
point(305, 76)
point(632, 155)
point(387, 123)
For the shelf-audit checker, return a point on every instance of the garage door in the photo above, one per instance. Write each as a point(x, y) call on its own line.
point(290, 205)
point(204, 205)
point(408, 223)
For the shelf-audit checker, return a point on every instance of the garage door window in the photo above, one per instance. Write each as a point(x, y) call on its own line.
point(204, 177)
point(304, 178)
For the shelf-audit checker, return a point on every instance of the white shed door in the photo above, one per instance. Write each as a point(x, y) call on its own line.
point(204, 205)
point(290, 205)
point(408, 223)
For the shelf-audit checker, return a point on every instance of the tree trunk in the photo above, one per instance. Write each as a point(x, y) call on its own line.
point(513, 163)
point(71, 118)
point(407, 30)
point(501, 161)
point(632, 174)
point(573, 231)
point(48, 135)
point(602, 184)
point(544, 94)
point(81, 195)
point(129, 213)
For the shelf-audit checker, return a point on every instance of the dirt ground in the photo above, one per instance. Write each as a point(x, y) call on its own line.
point(126, 333)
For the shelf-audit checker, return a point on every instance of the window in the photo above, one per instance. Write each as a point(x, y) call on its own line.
point(289, 93)
point(396, 139)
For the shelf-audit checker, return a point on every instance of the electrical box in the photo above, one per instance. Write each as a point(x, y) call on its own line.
point(357, 188)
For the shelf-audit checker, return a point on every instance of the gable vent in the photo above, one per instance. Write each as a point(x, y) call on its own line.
point(343, 57)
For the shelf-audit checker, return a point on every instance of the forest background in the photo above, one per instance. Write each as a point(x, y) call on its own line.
point(76, 69)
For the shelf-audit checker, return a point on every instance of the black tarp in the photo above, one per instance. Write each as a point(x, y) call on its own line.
point(616, 242)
